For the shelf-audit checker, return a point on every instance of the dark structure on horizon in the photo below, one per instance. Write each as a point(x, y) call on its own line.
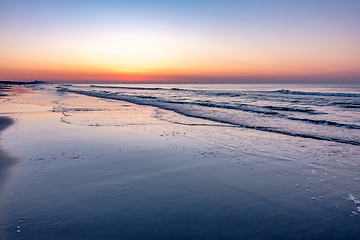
point(21, 83)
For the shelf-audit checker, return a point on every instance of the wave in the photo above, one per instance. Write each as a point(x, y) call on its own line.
point(289, 109)
point(181, 108)
point(347, 104)
point(325, 122)
point(330, 94)
point(243, 107)
point(138, 88)
point(235, 93)
point(200, 92)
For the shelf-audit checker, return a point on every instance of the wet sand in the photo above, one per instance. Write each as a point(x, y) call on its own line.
point(4, 89)
point(7, 90)
point(6, 161)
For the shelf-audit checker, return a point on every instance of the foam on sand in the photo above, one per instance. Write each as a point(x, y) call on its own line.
point(352, 198)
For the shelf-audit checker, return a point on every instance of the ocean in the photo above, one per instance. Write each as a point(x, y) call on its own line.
point(328, 113)
point(183, 161)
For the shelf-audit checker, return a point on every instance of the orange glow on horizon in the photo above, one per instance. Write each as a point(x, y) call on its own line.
point(89, 75)
point(157, 60)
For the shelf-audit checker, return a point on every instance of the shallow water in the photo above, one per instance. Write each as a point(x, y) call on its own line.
point(104, 168)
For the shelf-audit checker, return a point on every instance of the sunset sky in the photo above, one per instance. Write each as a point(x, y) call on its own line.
point(190, 41)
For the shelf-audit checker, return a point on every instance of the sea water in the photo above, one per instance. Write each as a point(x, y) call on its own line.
point(248, 161)
point(328, 113)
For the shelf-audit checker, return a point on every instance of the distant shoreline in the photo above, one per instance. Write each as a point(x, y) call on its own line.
point(21, 83)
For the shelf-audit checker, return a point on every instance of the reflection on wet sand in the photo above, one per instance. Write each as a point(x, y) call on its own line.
point(4, 89)
point(6, 160)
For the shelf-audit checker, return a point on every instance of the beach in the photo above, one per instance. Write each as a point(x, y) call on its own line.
point(81, 163)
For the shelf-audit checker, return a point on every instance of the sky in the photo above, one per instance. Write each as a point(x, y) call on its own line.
point(187, 41)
